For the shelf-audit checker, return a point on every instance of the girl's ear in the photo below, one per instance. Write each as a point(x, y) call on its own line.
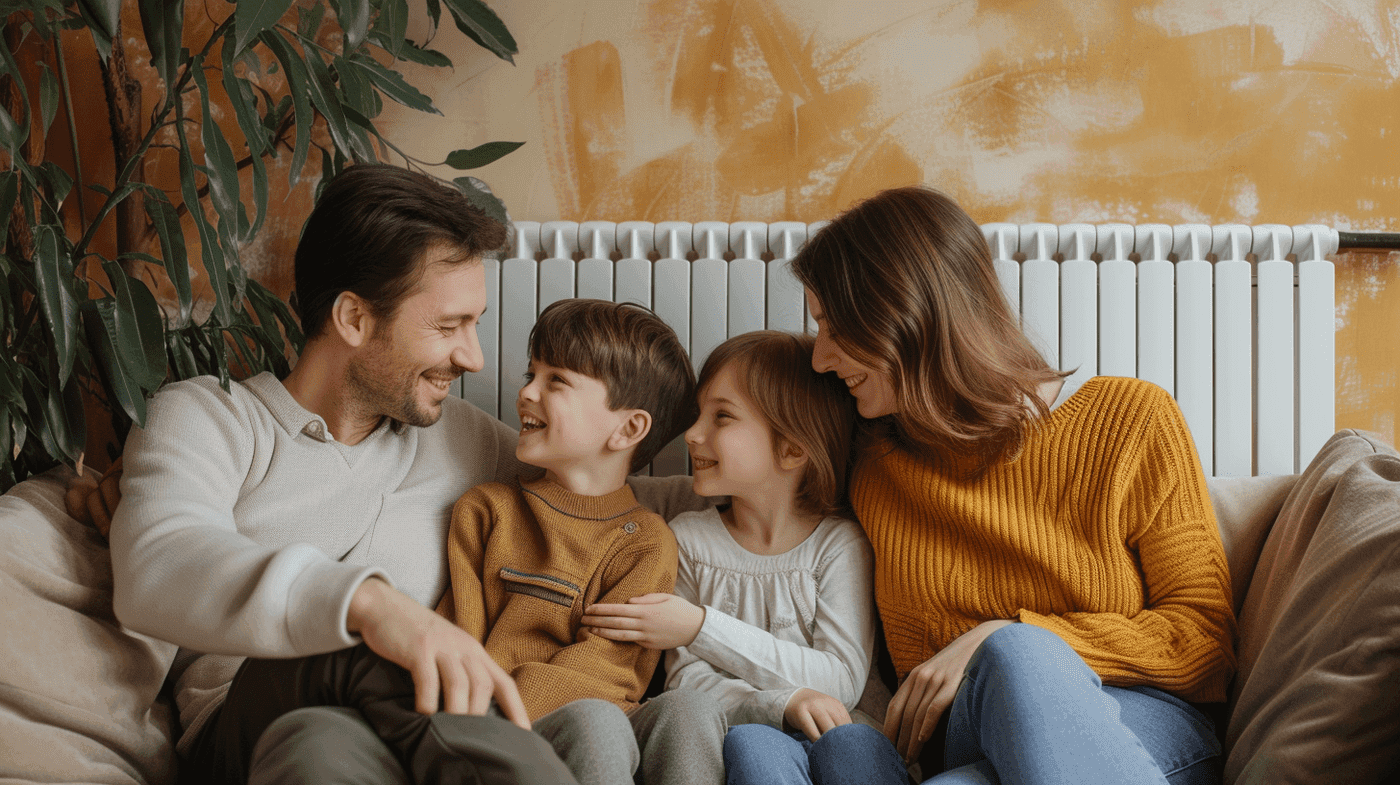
point(352, 319)
point(631, 432)
point(790, 456)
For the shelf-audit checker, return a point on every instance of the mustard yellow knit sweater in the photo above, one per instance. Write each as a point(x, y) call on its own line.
point(1100, 531)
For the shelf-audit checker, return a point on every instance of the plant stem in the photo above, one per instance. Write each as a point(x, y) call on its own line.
point(72, 126)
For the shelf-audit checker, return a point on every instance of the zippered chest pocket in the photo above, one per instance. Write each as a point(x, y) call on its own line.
point(541, 586)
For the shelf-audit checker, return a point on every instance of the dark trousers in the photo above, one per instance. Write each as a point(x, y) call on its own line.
point(438, 748)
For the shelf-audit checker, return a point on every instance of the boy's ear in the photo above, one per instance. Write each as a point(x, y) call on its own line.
point(790, 456)
point(352, 320)
point(632, 430)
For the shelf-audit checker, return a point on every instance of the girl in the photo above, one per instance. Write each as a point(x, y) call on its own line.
point(1049, 571)
point(772, 613)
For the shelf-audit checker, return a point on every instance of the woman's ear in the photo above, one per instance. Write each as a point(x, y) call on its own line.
point(632, 430)
point(790, 456)
point(352, 320)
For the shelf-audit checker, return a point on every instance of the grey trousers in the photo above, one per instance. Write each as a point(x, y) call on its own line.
point(676, 738)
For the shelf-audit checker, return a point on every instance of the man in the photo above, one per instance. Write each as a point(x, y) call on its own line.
point(290, 518)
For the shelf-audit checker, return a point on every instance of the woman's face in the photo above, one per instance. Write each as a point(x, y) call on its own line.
point(873, 390)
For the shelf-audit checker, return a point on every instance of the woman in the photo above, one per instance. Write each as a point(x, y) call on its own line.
point(1048, 569)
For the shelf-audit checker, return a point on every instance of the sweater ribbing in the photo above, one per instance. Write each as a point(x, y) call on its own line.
point(1100, 531)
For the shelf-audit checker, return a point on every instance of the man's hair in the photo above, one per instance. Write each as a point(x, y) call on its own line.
point(370, 232)
point(809, 410)
point(633, 353)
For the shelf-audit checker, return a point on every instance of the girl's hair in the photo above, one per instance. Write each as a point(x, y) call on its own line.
point(811, 411)
point(906, 283)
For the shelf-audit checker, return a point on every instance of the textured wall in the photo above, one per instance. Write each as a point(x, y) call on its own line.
point(1177, 111)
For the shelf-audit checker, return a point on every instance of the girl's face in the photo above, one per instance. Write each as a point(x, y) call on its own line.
point(872, 389)
point(731, 446)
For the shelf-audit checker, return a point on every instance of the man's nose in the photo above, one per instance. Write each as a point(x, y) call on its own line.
point(467, 354)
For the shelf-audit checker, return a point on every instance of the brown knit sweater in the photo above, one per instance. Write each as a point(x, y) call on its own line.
point(1100, 531)
point(526, 559)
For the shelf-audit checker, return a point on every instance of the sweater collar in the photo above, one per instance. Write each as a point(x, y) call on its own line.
point(590, 508)
point(291, 415)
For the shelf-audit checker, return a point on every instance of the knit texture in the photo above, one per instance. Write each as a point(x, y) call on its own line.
point(1101, 531)
point(526, 559)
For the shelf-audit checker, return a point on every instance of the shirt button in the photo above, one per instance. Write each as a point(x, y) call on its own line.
point(629, 527)
point(315, 429)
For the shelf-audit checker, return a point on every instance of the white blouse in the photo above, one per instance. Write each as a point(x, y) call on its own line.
point(774, 624)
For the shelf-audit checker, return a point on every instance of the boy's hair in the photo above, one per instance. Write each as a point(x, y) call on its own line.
point(812, 411)
point(633, 353)
point(369, 233)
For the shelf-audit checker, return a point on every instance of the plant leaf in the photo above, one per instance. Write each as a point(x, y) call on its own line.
point(323, 95)
point(53, 272)
point(246, 112)
point(103, 18)
point(172, 249)
point(182, 359)
point(222, 170)
point(297, 80)
point(480, 155)
point(208, 243)
point(392, 84)
point(423, 56)
point(309, 20)
point(48, 96)
point(103, 326)
point(481, 24)
point(137, 329)
point(9, 191)
point(353, 16)
point(392, 22)
point(13, 133)
point(163, 22)
point(357, 89)
point(479, 194)
point(252, 17)
point(434, 14)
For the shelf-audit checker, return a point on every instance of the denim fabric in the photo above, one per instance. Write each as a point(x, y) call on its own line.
point(1030, 711)
point(855, 754)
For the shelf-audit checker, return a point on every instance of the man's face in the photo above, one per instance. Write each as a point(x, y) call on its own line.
point(406, 368)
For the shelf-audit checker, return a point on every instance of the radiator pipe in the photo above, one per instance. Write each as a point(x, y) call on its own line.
point(1351, 241)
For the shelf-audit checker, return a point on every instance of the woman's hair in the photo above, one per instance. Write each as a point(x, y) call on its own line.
point(809, 410)
point(906, 284)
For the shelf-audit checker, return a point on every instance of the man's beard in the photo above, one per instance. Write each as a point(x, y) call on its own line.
point(388, 389)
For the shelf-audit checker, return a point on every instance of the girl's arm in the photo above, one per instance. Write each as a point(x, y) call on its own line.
point(843, 634)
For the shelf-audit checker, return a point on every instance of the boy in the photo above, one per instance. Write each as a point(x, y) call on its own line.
point(609, 384)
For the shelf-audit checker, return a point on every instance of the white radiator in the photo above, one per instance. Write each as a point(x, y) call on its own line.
point(1219, 316)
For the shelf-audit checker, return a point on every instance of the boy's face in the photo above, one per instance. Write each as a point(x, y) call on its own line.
point(564, 418)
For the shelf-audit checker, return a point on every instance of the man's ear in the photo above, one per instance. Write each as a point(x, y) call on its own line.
point(632, 430)
point(351, 318)
point(791, 457)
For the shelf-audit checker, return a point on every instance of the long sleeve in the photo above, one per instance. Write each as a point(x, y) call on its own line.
point(843, 633)
point(464, 602)
point(186, 570)
point(593, 666)
point(1183, 638)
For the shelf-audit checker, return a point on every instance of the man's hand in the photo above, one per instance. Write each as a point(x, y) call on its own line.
point(656, 621)
point(94, 502)
point(441, 656)
point(815, 713)
point(929, 690)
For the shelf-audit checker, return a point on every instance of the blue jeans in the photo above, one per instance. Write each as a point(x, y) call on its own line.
point(1030, 711)
point(855, 754)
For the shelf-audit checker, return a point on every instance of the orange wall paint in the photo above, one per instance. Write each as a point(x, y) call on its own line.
point(1174, 111)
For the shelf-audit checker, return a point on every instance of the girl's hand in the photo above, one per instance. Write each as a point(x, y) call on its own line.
point(815, 713)
point(929, 690)
point(656, 621)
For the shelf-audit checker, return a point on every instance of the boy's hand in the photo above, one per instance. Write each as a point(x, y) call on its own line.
point(94, 501)
point(656, 621)
point(442, 657)
point(815, 713)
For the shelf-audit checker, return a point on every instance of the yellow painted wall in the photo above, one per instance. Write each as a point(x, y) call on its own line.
point(1171, 112)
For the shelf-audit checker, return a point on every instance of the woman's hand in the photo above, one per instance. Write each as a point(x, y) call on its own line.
point(815, 713)
point(929, 690)
point(656, 621)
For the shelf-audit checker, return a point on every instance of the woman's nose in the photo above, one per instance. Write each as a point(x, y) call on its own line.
point(823, 355)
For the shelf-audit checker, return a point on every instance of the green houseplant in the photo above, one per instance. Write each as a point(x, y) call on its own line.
point(76, 324)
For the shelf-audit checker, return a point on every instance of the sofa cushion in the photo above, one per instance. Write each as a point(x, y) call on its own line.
point(78, 693)
point(1319, 655)
point(1245, 510)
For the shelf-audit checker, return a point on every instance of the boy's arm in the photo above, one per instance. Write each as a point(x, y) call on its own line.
point(593, 666)
point(464, 602)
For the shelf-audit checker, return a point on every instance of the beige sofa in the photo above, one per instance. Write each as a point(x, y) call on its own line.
point(1315, 561)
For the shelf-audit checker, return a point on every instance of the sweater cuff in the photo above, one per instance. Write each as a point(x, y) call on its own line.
point(319, 602)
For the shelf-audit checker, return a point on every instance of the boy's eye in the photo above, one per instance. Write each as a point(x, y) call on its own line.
point(529, 377)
